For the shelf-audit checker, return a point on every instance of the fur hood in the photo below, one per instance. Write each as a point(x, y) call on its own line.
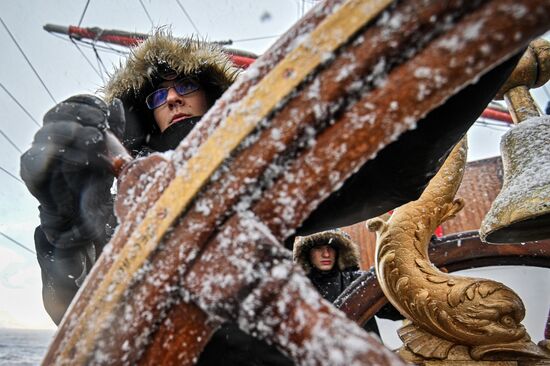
point(348, 251)
point(134, 79)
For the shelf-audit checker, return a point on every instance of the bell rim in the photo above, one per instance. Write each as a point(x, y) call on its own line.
point(534, 228)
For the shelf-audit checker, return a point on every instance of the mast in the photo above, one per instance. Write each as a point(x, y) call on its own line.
point(240, 58)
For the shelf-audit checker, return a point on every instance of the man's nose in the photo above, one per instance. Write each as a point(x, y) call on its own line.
point(173, 98)
point(326, 252)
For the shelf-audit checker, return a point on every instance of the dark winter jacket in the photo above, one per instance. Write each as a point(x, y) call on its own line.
point(331, 284)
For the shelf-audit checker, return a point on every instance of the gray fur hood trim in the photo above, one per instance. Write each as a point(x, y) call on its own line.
point(348, 251)
point(137, 78)
point(186, 56)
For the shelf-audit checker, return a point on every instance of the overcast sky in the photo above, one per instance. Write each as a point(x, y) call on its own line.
point(63, 71)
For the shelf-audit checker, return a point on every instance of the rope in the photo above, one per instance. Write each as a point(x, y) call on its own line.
point(27, 59)
point(17, 243)
point(83, 12)
point(188, 17)
point(11, 175)
point(147, 13)
point(11, 142)
point(20, 105)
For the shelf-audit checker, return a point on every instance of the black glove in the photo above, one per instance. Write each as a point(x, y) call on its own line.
point(65, 169)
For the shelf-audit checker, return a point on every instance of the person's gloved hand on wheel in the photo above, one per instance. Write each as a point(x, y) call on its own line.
point(66, 171)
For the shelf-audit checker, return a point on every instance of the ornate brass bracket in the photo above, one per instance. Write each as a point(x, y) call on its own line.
point(453, 319)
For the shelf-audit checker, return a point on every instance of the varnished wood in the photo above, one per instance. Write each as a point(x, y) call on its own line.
point(183, 335)
point(181, 260)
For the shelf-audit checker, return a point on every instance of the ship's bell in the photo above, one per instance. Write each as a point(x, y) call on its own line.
point(521, 211)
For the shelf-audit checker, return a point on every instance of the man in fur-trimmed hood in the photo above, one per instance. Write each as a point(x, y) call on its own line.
point(348, 252)
point(162, 59)
point(331, 261)
point(165, 79)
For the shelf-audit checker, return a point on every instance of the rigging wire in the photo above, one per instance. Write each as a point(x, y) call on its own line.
point(85, 57)
point(230, 41)
point(188, 17)
point(98, 58)
point(497, 126)
point(83, 12)
point(106, 48)
point(88, 45)
point(17, 243)
point(95, 47)
point(27, 59)
point(147, 13)
point(19, 104)
point(11, 175)
point(100, 64)
point(495, 123)
point(11, 142)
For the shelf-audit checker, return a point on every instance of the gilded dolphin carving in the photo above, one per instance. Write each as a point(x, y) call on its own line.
point(473, 312)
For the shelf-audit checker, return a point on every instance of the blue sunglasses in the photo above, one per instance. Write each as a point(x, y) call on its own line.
point(159, 96)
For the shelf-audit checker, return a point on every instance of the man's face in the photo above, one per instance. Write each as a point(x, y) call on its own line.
point(178, 107)
point(323, 257)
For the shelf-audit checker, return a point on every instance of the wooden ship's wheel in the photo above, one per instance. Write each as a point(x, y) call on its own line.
point(349, 115)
